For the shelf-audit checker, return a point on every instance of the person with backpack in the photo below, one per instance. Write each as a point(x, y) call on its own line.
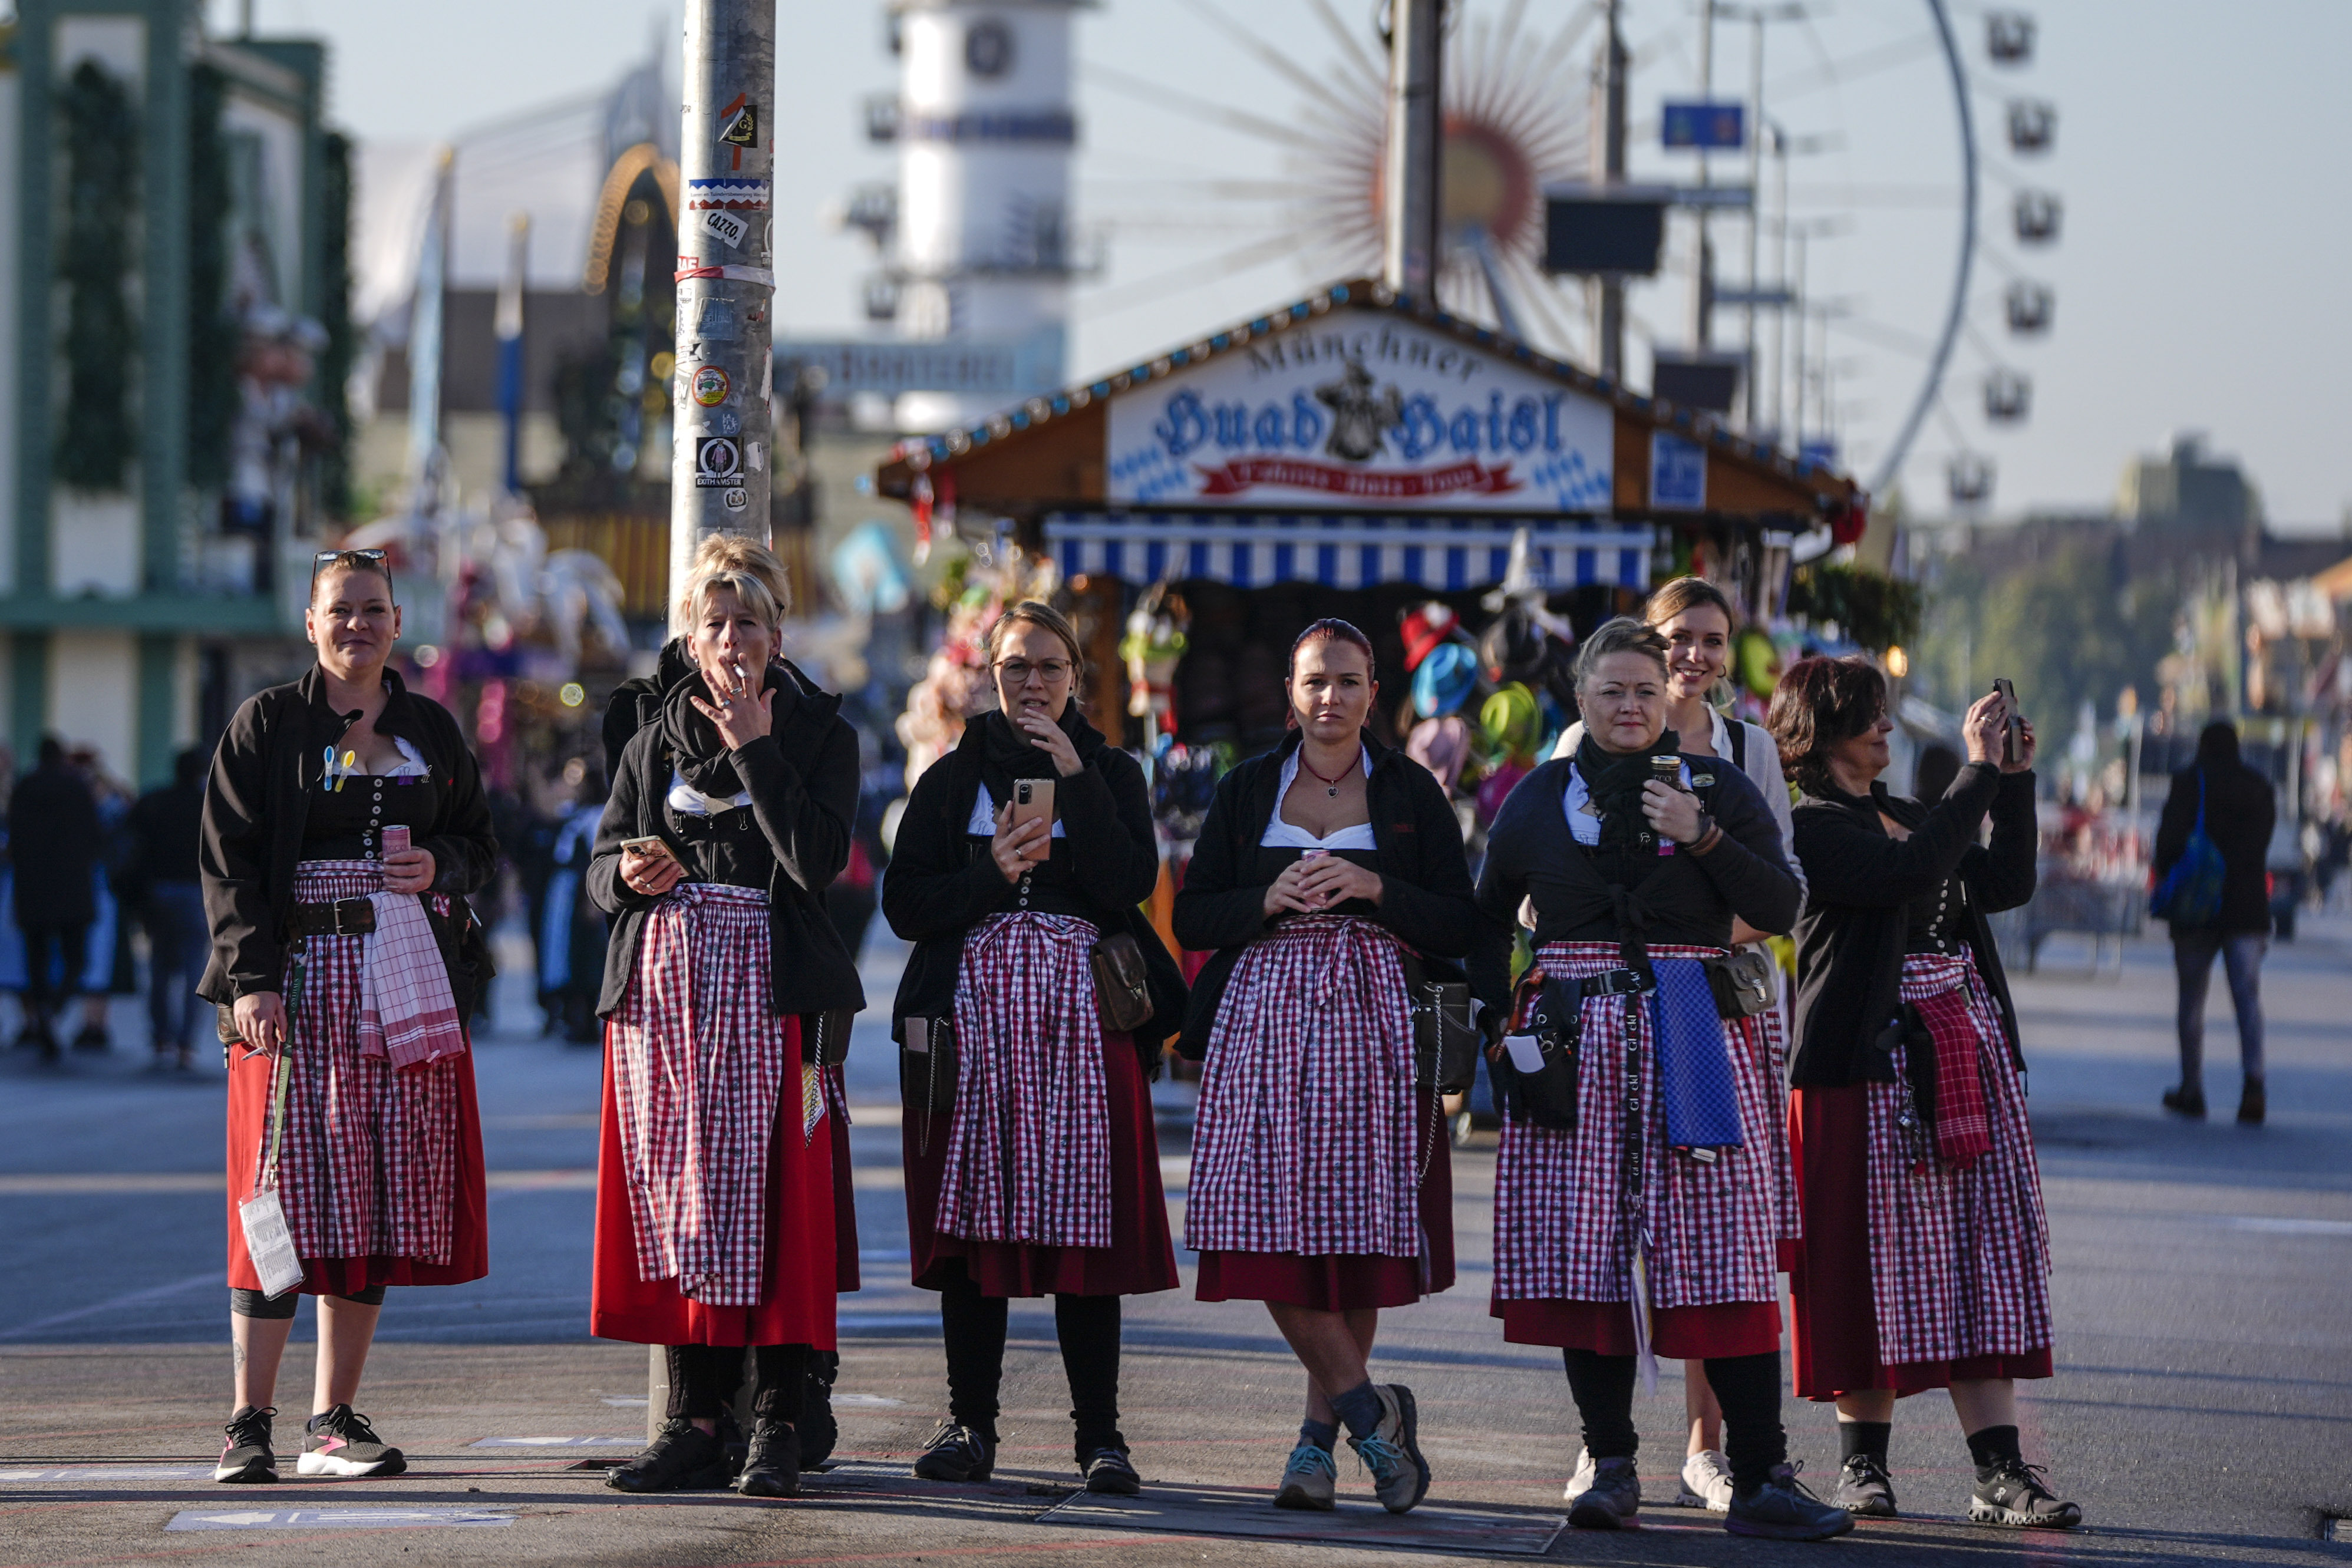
point(2210, 887)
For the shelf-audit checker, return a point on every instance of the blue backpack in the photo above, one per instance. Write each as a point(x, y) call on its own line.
point(2190, 896)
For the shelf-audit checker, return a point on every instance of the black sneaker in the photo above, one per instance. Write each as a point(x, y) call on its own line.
point(2011, 1494)
point(341, 1443)
point(956, 1454)
point(2253, 1104)
point(817, 1428)
point(93, 1037)
point(2189, 1102)
point(1782, 1509)
point(246, 1457)
point(684, 1458)
point(1864, 1489)
point(1109, 1471)
point(1613, 1501)
point(772, 1465)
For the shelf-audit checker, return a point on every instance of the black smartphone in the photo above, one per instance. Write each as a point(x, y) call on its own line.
point(2013, 738)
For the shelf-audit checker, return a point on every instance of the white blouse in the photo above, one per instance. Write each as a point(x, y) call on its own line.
point(1282, 835)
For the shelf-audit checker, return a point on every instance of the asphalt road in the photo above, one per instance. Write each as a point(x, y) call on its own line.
point(2204, 1382)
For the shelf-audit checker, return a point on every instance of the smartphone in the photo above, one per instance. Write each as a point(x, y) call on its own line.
point(2013, 742)
point(652, 844)
point(395, 841)
point(1034, 798)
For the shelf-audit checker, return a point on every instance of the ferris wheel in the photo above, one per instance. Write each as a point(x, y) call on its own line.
point(1844, 347)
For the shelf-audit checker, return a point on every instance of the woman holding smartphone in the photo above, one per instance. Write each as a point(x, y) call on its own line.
point(1321, 1183)
point(1926, 1259)
point(1636, 1194)
point(714, 1185)
point(1045, 1176)
point(343, 825)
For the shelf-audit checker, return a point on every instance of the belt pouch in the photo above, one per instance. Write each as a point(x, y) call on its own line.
point(927, 1065)
point(1122, 995)
point(824, 1036)
point(1743, 982)
point(1552, 1012)
point(1445, 1042)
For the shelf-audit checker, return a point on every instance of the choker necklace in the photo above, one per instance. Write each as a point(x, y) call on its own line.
point(1332, 784)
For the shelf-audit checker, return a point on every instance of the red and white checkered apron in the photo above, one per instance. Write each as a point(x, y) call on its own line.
point(1760, 1053)
point(699, 1057)
point(370, 1166)
point(1959, 1259)
point(1707, 1231)
point(407, 1011)
point(1028, 1154)
point(1304, 1139)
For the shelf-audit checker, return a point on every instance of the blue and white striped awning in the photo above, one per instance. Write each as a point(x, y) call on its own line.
point(1253, 550)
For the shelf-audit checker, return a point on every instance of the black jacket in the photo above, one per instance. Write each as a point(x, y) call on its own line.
point(2240, 813)
point(166, 825)
point(54, 841)
point(1859, 878)
point(634, 704)
point(1425, 894)
point(258, 799)
point(1687, 898)
point(942, 881)
point(802, 780)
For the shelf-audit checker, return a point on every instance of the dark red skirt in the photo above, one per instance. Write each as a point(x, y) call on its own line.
point(1835, 1320)
point(1143, 1257)
point(803, 1268)
point(1349, 1281)
point(470, 1226)
point(1677, 1333)
point(845, 1195)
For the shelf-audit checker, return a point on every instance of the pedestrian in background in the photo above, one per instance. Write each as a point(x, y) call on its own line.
point(572, 932)
point(2236, 810)
point(1925, 1256)
point(54, 841)
point(163, 882)
point(350, 969)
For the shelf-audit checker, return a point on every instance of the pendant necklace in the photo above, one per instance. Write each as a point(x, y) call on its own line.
point(1331, 786)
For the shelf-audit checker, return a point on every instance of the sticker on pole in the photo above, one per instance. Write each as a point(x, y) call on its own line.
point(717, 462)
point(739, 123)
point(736, 499)
point(711, 386)
point(725, 227)
point(334, 1518)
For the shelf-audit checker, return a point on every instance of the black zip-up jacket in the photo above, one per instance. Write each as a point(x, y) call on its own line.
point(2240, 813)
point(258, 801)
point(802, 780)
point(1425, 893)
point(637, 702)
point(1683, 898)
point(942, 880)
point(1859, 878)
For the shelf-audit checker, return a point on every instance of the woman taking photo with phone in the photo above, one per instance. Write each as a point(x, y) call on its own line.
point(1926, 1259)
point(343, 826)
point(1636, 1194)
point(1321, 1184)
point(714, 1185)
point(1043, 1175)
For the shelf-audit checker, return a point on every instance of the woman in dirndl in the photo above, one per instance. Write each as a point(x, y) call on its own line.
point(1926, 1259)
point(347, 966)
point(1637, 1194)
point(1044, 1177)
point(1321, 1184)
point(729, 813)
point(1695, 618)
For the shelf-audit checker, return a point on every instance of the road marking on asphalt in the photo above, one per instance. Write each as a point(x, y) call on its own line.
point(864, 1402)
point(559, 1442)
point(334, 1519)
point(2268, 1226)
point(1236, 1512)
point(106, 1473)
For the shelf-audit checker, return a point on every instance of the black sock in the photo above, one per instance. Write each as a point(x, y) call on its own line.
point(779, 1381)
point(1865, 1437)
point(1603, 1388)
point(1992, 1446)
point(1748, 1389)
point(972, 1325)
point(703, 1379)
point(1088, 1327)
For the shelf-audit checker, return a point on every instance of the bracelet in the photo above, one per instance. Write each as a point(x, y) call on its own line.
point(1710, 834)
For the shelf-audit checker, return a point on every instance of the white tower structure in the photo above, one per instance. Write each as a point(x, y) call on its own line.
point(986, 130)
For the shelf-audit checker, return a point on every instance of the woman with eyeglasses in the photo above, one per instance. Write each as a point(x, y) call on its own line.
point(1044, 1177)
point(728, 817)
point(1327, 870)
point(343, 826)
point(1634, 1195)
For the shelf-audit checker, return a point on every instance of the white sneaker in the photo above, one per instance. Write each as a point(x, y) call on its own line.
point(1581, 1481)
point(1310, 1480)
point(1707, 1482)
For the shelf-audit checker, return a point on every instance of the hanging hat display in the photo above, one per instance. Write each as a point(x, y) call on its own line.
point(1442, 745)
point(1444, 680)
point(1510, 718)
point(1424, 627)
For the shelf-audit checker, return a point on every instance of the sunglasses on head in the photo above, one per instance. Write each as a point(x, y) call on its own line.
point(356, 559)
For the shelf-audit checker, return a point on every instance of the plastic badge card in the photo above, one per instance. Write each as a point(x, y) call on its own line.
point(268, 1243)
point(1526, 1053)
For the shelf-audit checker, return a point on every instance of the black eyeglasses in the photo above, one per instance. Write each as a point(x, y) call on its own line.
point(1016, 672)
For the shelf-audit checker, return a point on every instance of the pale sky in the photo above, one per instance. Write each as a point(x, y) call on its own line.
point(2198, 276)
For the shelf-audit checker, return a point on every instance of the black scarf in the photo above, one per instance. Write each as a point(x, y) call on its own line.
point(700, 756)
point(1006, 753)
point(1614, 782)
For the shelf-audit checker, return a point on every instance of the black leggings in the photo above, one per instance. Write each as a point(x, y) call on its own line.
point(703, 1379)
point(1746, 1387)
point(247, 1304)
point(1087, 1326)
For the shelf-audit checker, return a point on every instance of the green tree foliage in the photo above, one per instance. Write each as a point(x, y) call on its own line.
point(1877, 612)
point(213, 334)
point(100, 129)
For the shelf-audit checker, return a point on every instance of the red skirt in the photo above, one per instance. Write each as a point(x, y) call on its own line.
point(1836, 1321)
point(801, 1270)
point(1677, 1333)
point(1141, 1258)
point(469, 1230)
point(1349, 1281)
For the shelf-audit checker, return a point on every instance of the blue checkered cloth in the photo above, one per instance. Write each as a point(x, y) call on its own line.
point(1694, 1061)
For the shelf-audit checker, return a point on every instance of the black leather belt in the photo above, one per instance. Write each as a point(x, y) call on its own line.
point(344, 917)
